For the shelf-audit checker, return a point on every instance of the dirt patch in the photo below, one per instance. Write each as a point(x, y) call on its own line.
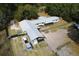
point(56, 39)
point(60, 43)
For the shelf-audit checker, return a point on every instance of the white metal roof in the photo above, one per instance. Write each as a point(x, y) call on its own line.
point(30, 26)
point(30, 29)
point(45, 20)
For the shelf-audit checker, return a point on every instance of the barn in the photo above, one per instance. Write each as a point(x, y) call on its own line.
point(31, 31)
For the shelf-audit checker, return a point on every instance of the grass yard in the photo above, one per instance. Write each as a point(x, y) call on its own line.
point(5, 45)
point(54, 27)
point(18, 47)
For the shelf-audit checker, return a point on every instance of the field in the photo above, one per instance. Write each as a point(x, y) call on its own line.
point(5, 45)
point(15, 46)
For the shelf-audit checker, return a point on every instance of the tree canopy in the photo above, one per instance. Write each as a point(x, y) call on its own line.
point(6, 14)
point(68, 12)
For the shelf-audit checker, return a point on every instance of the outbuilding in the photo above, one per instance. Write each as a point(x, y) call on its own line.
point(42, 20)
point(31, 31)
point(31, 27)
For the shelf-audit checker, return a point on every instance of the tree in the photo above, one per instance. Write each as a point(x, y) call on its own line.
point(75, 13)
point(6, 15)
point(62, 10)
point(24, 11)
point(30, 11)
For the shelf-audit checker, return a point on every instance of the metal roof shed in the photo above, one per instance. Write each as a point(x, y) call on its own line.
point(52, 19)
point(45, 20)
point(31, 30)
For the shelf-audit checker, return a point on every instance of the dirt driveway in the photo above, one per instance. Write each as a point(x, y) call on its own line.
point(56, 39)
point(60, 43)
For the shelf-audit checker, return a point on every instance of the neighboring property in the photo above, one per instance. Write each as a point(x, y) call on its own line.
point(31, 31)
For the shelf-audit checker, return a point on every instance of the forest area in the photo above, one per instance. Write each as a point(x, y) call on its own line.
point(19, 12)
point(13, 11)
point(8, 12)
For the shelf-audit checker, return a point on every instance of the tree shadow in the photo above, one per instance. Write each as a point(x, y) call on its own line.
point(73, 33)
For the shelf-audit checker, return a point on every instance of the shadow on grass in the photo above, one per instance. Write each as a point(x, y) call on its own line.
point(16, 35)
point(73, 33)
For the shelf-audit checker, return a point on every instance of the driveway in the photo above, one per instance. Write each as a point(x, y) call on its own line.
point(60, 43)
point(56, 39)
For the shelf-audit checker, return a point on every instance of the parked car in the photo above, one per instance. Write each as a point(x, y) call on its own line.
point(76, 26)
point(28, 46)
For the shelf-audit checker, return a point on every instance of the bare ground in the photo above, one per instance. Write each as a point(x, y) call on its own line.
point(60, 43)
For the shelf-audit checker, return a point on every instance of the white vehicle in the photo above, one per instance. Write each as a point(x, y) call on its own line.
point(28, 46)
point(24, 38)
point(76, 25)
